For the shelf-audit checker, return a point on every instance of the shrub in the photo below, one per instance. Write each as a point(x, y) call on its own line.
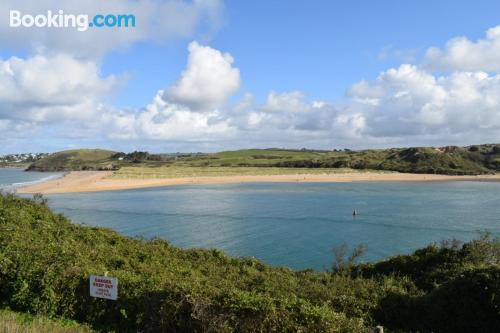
point(45, 263)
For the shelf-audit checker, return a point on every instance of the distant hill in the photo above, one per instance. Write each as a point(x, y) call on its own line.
point(78, 159)
point(471, 160)
point(451, 160)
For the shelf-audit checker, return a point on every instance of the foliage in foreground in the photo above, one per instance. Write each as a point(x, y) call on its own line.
point(13, 322)
point(45, 262)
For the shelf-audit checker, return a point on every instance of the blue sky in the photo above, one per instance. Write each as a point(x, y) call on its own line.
point(319, 47)
point(208, 75)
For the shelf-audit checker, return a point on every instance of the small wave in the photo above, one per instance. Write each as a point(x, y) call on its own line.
point(14, 186)
point(41, 180)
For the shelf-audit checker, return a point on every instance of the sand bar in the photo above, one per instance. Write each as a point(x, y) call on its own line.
point(94, 181)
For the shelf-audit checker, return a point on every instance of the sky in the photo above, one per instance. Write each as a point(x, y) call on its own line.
point(211, 75)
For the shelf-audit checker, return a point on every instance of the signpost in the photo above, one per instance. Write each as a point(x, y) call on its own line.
point(104, 287)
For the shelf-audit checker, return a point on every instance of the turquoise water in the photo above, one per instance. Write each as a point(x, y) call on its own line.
point(295, 224)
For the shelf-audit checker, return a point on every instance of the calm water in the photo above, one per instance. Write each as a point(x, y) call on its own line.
point(11, 177)
point(295, 224)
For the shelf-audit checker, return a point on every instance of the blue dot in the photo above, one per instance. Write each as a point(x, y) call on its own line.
point(91, 24)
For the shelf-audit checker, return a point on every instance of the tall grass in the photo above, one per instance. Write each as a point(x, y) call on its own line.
point(187, 171)
point(13, 322)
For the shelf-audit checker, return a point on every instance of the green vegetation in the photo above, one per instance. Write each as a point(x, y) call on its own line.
point(45, 262)
point(140, 172)
point(79, 159)
point(472, 160)
point(13, 322)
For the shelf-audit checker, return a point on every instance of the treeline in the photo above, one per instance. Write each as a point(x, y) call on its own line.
point(144, 156)
point(140, 156)
point(45, 263)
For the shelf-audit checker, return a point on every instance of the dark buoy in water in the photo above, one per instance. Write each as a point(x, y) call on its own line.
point(354, 212)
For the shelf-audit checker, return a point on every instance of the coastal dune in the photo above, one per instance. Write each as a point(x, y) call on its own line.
point(94, 181)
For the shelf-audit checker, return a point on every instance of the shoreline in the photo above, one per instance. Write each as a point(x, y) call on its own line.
point(97, 181)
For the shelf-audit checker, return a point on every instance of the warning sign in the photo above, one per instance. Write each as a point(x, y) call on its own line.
point(104, 287)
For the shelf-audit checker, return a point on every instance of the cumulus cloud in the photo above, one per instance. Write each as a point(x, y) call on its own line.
point(164, 120)
point(42, 88)
point(409, 101)
point(189, 109)
point(244, 124)
point(208, 80)
point(293, 101)
point(406, 105)
point(412, 104)
point(158, 20)
point(293, 111)
point(462, 54)
point(49, 90)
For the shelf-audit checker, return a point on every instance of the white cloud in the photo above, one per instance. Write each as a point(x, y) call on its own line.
point(44, 88)
point(245, 124)
point(349, 126)
point(50, 90)
point(188, 110)
point(163, 120)
point(10, 128)
point(155, 20)
point(462, 54)
point(208, 80)
point(409, 101)
point(292, 110)
point(407, 105)
point(293, 101)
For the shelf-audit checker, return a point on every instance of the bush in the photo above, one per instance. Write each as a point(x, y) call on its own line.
point(45, 263)
point(468, 303)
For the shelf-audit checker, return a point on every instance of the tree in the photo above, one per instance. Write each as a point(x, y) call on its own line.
point(343, 261)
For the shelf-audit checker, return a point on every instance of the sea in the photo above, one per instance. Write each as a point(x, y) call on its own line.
point(289, 224)
point(13, 178)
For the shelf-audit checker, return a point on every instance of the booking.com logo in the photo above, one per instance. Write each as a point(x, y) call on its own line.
point(80, 22)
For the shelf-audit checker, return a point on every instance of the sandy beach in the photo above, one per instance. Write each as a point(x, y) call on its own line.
point(94, 181)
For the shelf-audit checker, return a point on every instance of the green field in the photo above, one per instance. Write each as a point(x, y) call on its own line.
point(45, 263)
point(175, 171)
point(472, 160)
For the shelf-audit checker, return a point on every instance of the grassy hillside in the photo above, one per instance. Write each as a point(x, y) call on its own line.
point(79, 159)
point(473, 160)
point(45, 262)
point(448, 160)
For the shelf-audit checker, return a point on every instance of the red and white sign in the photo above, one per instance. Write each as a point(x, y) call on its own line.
point(104, 287)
